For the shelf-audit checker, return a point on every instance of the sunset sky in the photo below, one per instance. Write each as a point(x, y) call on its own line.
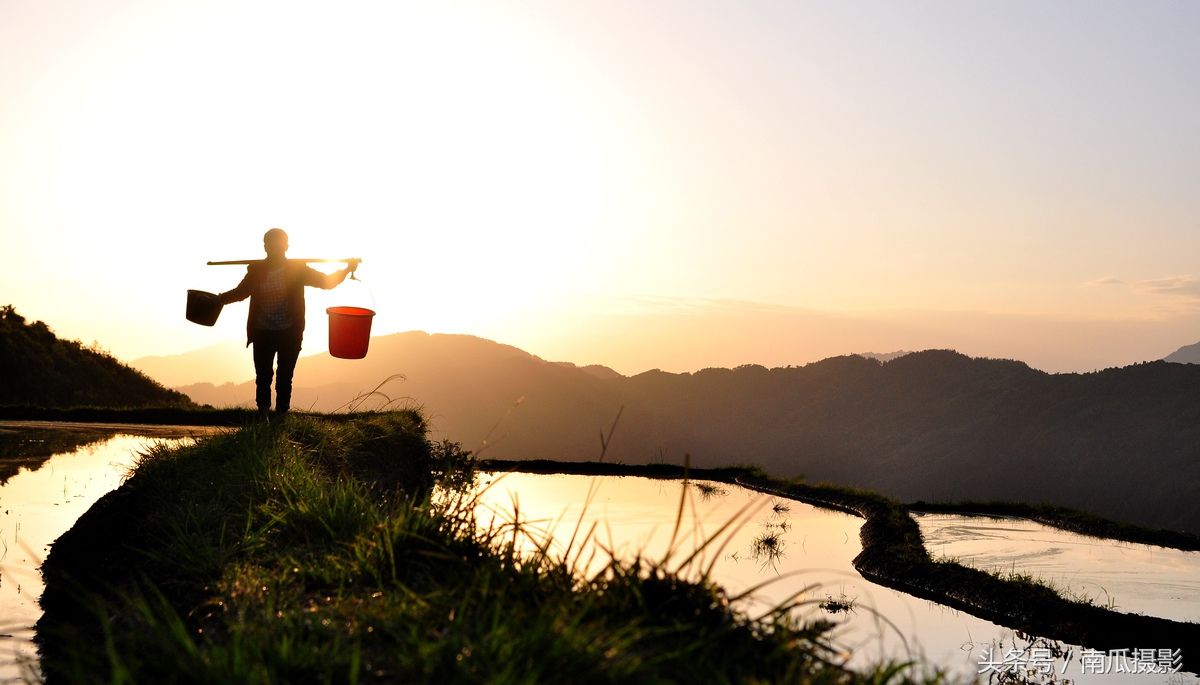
point(639, 184)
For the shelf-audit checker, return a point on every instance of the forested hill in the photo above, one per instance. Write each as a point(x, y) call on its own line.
point(937, 425)
point(39, 369)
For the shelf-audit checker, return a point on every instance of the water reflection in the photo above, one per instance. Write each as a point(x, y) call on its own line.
point(1129, 577)
point(39, 504)
point(707, 491)
point(767, 546)
point(25, 449)
point(810, 553)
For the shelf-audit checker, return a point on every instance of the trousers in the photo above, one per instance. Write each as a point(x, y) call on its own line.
point(268, 346)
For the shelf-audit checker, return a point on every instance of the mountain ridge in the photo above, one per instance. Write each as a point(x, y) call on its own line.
point(213, 364)
point(1188, 354)
point(934, 425)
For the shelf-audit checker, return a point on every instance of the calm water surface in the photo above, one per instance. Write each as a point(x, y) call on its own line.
point(1140, 579)
point(812, 555)
point(36, 507)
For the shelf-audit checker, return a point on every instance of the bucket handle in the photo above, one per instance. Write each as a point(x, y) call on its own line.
point(362, 286)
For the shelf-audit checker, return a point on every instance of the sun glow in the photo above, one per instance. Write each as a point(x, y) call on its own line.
point(503, 166)
point(453, 158)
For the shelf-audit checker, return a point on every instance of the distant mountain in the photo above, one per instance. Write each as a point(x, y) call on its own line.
point(933, 425)
point(884, 356)
point(39, 369)
point(473, 390)
point(597, 370)
point(221, 363)
point(1188, 354)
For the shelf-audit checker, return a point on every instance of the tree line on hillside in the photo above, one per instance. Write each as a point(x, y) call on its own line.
point(40, 369)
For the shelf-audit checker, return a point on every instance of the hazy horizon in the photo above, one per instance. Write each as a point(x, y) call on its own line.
point(227, 361)
point(670, 185)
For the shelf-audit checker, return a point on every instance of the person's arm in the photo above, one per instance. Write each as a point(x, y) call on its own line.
point(326, 281)
point(239, 293)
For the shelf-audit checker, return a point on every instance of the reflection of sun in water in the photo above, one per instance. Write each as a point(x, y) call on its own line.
point(39, 505)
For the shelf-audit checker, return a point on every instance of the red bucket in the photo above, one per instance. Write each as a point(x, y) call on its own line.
point(349, 331)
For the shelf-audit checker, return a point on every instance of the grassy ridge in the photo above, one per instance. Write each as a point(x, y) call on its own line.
point(316, 552)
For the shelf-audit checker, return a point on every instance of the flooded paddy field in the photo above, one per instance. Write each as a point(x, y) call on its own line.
point(780, 551)
point(766, 551)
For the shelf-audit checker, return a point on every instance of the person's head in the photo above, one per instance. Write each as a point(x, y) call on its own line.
point(275, 242)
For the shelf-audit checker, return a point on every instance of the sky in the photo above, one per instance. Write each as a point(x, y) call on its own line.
point(661, 184)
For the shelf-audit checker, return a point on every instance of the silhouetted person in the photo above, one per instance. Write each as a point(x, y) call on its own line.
point(275, 325)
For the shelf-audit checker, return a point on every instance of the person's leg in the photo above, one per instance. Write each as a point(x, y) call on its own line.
point(289, 352)
point(265, 347)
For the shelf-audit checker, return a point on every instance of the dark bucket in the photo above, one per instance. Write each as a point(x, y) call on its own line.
point(349, 331)
point(203, 308)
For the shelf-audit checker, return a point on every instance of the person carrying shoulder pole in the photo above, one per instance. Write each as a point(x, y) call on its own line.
point(275, 325)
